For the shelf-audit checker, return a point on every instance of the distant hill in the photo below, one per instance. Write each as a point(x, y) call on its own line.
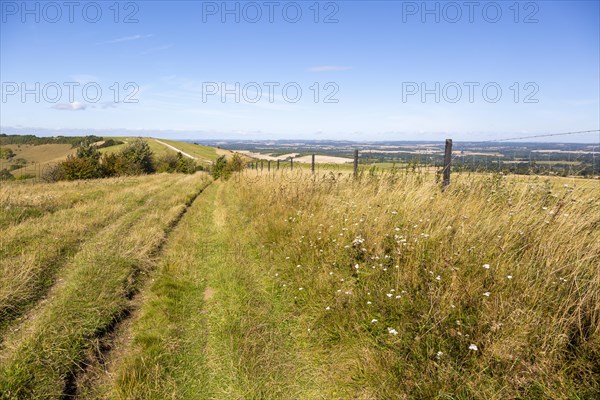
point(31, 155)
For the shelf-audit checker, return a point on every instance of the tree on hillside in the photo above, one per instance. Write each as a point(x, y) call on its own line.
point(139, 157)
point(84, 165)
point(236, 164)
point(219, 168)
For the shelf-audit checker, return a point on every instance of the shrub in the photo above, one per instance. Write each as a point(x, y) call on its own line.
point(84, 165)
point(115, 164)
point(185, 165)
point(109, 143)
point(52, 173)
point(87, 150)
point(18, 164)
point(175, 163)
point(138, 157)
point(6, 153)
point(6, 176)
point(80, 168)
point(219, 168)
point(236, 164)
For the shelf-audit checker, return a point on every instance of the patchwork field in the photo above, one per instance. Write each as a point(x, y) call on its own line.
point(289, 285)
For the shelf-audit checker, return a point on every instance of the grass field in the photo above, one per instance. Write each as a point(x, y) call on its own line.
point(203, 154)
point(39, 158)
point(286, 285)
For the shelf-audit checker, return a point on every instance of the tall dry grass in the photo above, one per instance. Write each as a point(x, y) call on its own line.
point(489, 290)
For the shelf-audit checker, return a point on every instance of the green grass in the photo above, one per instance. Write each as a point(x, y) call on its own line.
point(257, 295)
point(199, 151)
point(157, 148)
point(204, 154)
point(285, 314)
point(91, 293)
point(44, 225)
point(211, 325)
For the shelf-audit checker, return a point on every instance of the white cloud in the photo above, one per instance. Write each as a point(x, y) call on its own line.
point(327, 68)
point(75, 106)
point(127, 39)
point(82, 79)
point(155, 49)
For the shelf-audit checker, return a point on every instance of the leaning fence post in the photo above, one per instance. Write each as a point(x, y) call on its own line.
point(355, 163)
point(313, 164)
point(447, 163)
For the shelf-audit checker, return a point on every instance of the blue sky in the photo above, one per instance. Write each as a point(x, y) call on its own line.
point(375, 58)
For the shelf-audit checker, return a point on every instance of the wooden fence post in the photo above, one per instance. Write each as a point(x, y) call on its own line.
point(261, 165)
point(355, 163)
point(313, 164)
point(277, 165)
point(291, 164)
point(447, 163)
point(269, 166)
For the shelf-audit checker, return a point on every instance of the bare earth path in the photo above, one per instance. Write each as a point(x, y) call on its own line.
point(176, 149)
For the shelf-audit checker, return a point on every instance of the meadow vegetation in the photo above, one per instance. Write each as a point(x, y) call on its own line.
point(377, 288)
point(71, 268)
point(293, 285)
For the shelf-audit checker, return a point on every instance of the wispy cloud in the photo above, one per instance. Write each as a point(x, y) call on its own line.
point(83, 79)
point(155, 49)
point(75, 106)
point(327, 68)
point(127, 39)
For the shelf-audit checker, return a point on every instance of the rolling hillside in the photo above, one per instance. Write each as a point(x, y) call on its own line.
point(37, 158)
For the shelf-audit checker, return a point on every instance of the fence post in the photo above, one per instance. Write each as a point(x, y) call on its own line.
point(355, 163)
point(269, 166)
point(261, 165)
point(447, 163)
point(278, 165)
point(291, 164)
point(313, 164)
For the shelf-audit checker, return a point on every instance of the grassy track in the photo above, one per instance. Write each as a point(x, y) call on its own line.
point(211, 325)
point(379, 289)
point(46, 229)
point(41, 357)
point(277, 286)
